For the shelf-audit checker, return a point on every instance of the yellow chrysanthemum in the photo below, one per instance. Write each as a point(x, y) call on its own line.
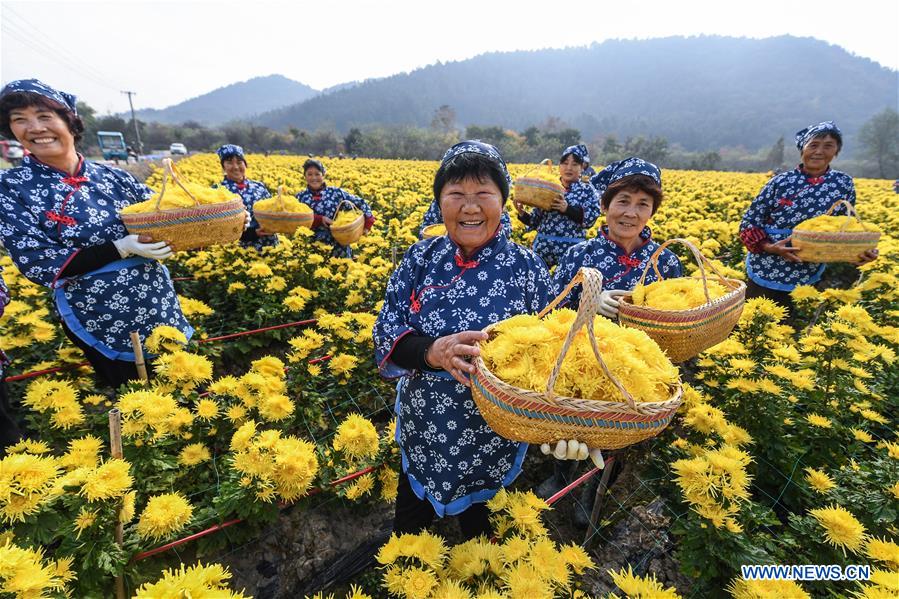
point(819, 480)
point(193, 581)
point(841, 528)
point(766, 589)
point(193, 454)
point(883, 551)
point(637, 587)
point(108, 481)
point(356, 437)
point(164, 515)
point(165, 339)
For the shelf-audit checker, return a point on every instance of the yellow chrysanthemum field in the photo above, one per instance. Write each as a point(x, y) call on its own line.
point(784, 451)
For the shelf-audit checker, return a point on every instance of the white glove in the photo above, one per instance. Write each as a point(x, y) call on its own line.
point(247, 220)
point(608, 302)
point(573, 450)
point(130, 246)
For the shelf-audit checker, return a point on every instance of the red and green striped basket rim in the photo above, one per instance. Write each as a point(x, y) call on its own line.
point(675, 320)
point(564, 416)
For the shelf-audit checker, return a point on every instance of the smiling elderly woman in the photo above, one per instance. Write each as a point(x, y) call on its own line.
point(59, 222)
point(234, 168)
point(774, 267)
point(443, 293)
point(566, 222)
point(631, 192)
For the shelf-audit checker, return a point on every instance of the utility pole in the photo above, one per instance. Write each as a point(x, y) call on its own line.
point(140, 146)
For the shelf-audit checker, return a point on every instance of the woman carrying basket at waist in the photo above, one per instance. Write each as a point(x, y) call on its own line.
point(325, 201)
point(566, 222)
point(774, 267)
point(630, 194)
point(444, 292)
point(234, 167)
point(60, 225)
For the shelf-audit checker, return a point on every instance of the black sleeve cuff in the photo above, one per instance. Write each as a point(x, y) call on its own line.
point(410, 352)
point(91, 258)
point(525, 217)
point(575, 213)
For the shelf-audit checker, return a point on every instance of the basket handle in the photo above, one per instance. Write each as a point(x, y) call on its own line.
point(342, 202)
point(280, 198)
point(168, 170)
point(591, 283)
point(850, 209)
point(701, 261)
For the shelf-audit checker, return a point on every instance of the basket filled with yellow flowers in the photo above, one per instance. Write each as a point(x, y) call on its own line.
point(539, 187)
point(684, 315)
point(186, 215)
point(282, 215)
point(348, 225)
point(828, 238)
point(565, 375)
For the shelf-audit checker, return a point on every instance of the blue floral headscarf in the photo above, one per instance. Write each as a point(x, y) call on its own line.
point(476, 146)
point(580, 151)
point(812, 131)
point(35, 86)
point(229, 151)
point(616, 171)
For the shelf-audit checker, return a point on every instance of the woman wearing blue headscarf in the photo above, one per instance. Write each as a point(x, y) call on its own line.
point(234, 167)
point(325, 200)
point(566, 222)
point(773, 266)
point(444, 292)
point(59, 222)
point(630, 193)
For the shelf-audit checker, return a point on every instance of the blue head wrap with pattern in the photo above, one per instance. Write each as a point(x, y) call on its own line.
point(580, 151)
point(616, 171)
point(476, 146)
point(35, 86)
point(229, 151)
point(812, 131)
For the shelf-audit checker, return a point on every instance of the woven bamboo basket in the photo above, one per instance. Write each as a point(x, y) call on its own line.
point(534, 417)
point(188, 228)
point(538, 192)
point(281, 221)
point(834, 246)
point(433, 231)
point(349, 233)
point(683, 334)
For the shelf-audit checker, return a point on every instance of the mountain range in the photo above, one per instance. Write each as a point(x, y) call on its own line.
point(702, 92)
point(237, 101)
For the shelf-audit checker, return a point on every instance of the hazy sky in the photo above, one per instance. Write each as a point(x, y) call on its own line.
point(170, 51)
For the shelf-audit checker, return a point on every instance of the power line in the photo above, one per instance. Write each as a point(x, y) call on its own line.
point(60, 61)
point(29, 35)
point(20, 22)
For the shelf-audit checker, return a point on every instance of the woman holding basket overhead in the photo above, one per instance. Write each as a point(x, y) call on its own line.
point(566, 222)
point(60, 224)
point(325, 202)
point(234, 167)
point(773, 265)
point(445, 291)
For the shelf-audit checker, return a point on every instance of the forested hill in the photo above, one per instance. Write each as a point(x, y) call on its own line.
point(236, 101)
point(701, 92)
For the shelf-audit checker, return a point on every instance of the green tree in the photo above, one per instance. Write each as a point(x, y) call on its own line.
point(879, 139)
point(775, 158)
point(444, 119)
